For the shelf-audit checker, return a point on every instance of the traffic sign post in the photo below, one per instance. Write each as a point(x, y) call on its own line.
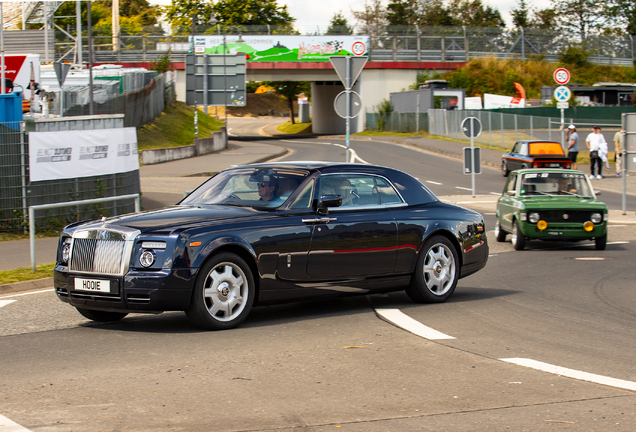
point(562, 95)
point(471, 127)
point(348, 69)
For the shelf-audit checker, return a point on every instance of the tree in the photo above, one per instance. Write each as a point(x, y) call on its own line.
point(403, 12)
point(181, 13)
point(252, 12)
point(622, 14)
point(544, 19)
point(521, 14)
point(290, 90)
point(434, 13)
point(372, 19)
point(580, 17)
point(339, 25)
point(474, 13)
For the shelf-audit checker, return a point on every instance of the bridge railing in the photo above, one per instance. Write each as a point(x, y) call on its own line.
point(392, 44)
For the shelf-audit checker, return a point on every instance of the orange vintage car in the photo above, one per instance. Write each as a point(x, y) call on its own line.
point(534, 154)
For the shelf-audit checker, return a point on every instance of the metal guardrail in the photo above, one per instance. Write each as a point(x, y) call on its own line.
point(32, 209)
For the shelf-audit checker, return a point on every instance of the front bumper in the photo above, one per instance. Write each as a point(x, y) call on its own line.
point(563, 231)
point(137, 291)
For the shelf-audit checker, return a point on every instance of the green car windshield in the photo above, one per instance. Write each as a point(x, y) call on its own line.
point(555, 183)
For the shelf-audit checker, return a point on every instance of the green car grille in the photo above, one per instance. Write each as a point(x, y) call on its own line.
point(557, 216)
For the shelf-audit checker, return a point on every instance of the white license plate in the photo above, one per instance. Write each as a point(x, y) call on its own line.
point(92, 285)
point(555, 165)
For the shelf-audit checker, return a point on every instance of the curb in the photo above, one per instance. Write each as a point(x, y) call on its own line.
point(26, 285)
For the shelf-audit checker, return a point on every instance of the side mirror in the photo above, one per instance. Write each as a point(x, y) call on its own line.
point(510, 193)
point(327, 201)
point(597, 192)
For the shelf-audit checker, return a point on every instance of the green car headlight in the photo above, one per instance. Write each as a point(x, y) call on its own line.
point(533, 217)
point(596, 218)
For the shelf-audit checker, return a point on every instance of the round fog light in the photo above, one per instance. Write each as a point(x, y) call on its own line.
point(542, 225)
point(588, 226)
point(147, 258)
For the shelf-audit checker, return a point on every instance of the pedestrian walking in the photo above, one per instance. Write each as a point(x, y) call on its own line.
point(573, 144)
point(597, 146)
point(618, 144)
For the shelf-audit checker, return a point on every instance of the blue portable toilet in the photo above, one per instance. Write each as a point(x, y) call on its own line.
point(11, 107)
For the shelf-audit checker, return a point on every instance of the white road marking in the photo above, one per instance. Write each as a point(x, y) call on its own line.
point(618, 242)
point(6, 302)
point(404, 321)
point(7, 425)
point(463, 188)
point(495, 193)
point(571, 373)
point(27, 293)
point(432, 182)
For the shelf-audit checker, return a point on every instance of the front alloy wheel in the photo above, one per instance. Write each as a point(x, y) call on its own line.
point(500, 234)
point(223, 294)
point(436, 272)
point(518, 239)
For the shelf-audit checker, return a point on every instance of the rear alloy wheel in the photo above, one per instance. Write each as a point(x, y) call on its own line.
point(101, 316)
point(504, 168)
point(436, 272)
point(518, 239)
point(500, 234)
point(223, 294)
point(600, 242)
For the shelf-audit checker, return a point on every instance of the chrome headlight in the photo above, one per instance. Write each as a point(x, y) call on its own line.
point(533, 217)
point(596, 218)
point(147, 258)
point(66, 250)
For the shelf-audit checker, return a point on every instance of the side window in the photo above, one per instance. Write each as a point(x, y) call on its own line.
point(388, 195)
point(523, 148)
point(358, 190)
point(303, 201)
point(515, 149)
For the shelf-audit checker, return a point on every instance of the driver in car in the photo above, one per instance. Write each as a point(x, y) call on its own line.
point(565, 187)
point(267, 191)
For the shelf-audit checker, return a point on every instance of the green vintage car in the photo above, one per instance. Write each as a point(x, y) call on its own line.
point(552, 205)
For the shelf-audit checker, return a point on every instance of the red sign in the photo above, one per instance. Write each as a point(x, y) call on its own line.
point(358, 48)
point(561, 76)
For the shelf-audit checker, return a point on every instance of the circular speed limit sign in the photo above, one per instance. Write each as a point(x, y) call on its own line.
point(561, 76)
point(358, 48)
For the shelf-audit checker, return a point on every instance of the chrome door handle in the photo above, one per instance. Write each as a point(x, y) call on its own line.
point(319, 220)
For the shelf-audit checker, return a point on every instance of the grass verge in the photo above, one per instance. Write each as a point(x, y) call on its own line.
point(296, 128)
point(175, 128)
point(26, 274)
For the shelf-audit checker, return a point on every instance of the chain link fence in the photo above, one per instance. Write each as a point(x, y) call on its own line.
point(388, 43)
point(503, 129)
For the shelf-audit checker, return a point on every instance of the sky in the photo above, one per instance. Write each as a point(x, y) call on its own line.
point(312, 13)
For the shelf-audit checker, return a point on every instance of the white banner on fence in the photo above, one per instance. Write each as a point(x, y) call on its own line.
point(82, 153)
point(499, 101)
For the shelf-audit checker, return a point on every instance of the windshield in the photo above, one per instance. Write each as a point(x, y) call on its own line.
point(248, 187)
point(555, 183)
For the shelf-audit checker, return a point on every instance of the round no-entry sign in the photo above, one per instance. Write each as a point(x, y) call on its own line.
point(561, 76)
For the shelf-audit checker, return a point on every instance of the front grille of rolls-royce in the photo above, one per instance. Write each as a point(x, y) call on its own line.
point(97, 256)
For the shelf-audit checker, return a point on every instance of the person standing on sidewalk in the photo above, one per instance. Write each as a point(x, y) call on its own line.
point(573, 144)
point(618, 144)
point(596, 143)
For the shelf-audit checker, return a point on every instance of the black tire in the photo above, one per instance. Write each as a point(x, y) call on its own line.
point(500, 234)
point(504, 168)
point(518, 240)
point(101, 316)
point(600, 242)
point(223, 294)
point(436, 272)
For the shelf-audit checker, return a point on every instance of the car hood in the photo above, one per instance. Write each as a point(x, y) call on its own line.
point(178, 216)
point(561, 202)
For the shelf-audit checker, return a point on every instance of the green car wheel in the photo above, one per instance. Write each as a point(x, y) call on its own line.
point(518, 239)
